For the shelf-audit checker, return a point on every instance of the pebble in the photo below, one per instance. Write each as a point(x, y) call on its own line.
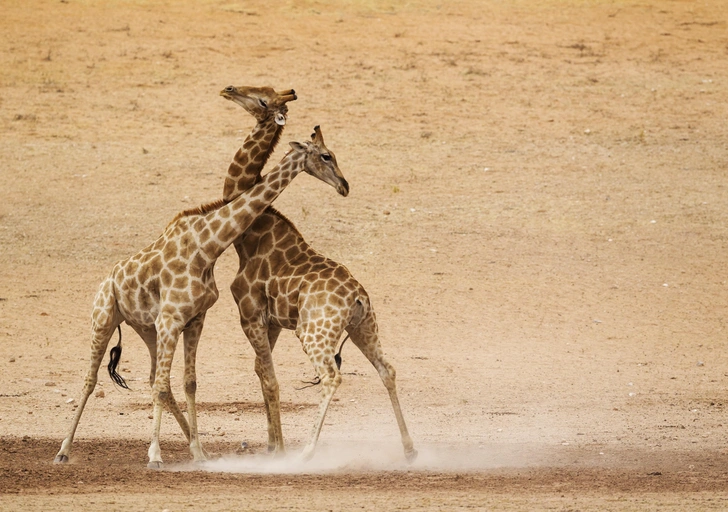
point(100, 394)
point(50, 384)
point(69, 401)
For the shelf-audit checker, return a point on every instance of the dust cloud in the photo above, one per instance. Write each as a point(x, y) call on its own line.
point(352, 457)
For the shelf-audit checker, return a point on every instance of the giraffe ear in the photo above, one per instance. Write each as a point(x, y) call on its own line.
point(297, 146)
point(280, 119)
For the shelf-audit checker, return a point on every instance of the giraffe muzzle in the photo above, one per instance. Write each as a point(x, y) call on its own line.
point(343, 187)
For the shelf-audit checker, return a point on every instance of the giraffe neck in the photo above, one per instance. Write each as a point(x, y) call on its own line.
point(248, 162)
point(231, 220)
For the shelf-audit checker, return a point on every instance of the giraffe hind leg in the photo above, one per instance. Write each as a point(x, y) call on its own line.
point(325, 367)
point(105, 321)
point(366, 337)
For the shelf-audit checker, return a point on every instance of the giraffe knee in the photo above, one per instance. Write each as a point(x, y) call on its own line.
point(269, 385)
point(387, 373)
point(190, 387)
point(164, 397)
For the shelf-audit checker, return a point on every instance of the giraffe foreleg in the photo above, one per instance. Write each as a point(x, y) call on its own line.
point(150, 340)
point(168, 330)
point(192, 333)
point(105, 320)
point(263, 340)
point(271, 396)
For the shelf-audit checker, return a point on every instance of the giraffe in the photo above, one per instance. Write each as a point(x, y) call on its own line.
point(167, 288)
point(284, 283)
point(270, 110)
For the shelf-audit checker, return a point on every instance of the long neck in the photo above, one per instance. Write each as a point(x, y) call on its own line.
point(231, 220)
point(248, 162)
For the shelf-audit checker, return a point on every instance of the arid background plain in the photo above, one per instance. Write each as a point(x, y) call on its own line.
point(538, 211)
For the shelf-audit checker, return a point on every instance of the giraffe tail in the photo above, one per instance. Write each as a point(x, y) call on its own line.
point(317, 380)
point(114, 358)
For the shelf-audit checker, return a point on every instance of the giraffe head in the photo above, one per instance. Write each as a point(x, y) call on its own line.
point(320, 162)
point(261, 102)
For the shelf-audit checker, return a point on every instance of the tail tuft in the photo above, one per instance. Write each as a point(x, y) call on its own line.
point(114, 358)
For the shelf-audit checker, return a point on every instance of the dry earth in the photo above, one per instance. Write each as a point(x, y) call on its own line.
point(539, 212)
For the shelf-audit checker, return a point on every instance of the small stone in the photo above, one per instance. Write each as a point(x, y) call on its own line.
point(12, 359)
point(69, 401)
point(100, 394)
point(50, 384)
point(700, 363)
point(386, 212)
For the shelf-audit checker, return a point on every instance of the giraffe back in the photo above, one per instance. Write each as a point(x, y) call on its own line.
point(281, 273)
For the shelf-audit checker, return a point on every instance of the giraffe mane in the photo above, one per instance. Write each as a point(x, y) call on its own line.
point(200, 210)
point(273, 144)
point(285, 219)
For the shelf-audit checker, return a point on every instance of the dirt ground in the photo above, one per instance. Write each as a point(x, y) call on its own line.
point(538, 210)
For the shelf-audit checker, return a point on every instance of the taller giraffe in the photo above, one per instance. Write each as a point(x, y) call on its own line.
point(167, 288)
point(283, 283)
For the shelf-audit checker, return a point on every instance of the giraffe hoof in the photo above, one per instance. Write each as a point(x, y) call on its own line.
point(155, 464)
point(306, 455)
point(411, 456)
point(61, 459)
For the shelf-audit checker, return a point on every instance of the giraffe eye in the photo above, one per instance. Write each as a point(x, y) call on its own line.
point(229, 88)
point(263, 103)
point(325, 157)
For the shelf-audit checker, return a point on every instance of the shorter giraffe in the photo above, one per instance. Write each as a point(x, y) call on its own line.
point(167, 288)
point(283, 283)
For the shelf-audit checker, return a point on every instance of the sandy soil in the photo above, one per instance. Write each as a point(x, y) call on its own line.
point(538, 210)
